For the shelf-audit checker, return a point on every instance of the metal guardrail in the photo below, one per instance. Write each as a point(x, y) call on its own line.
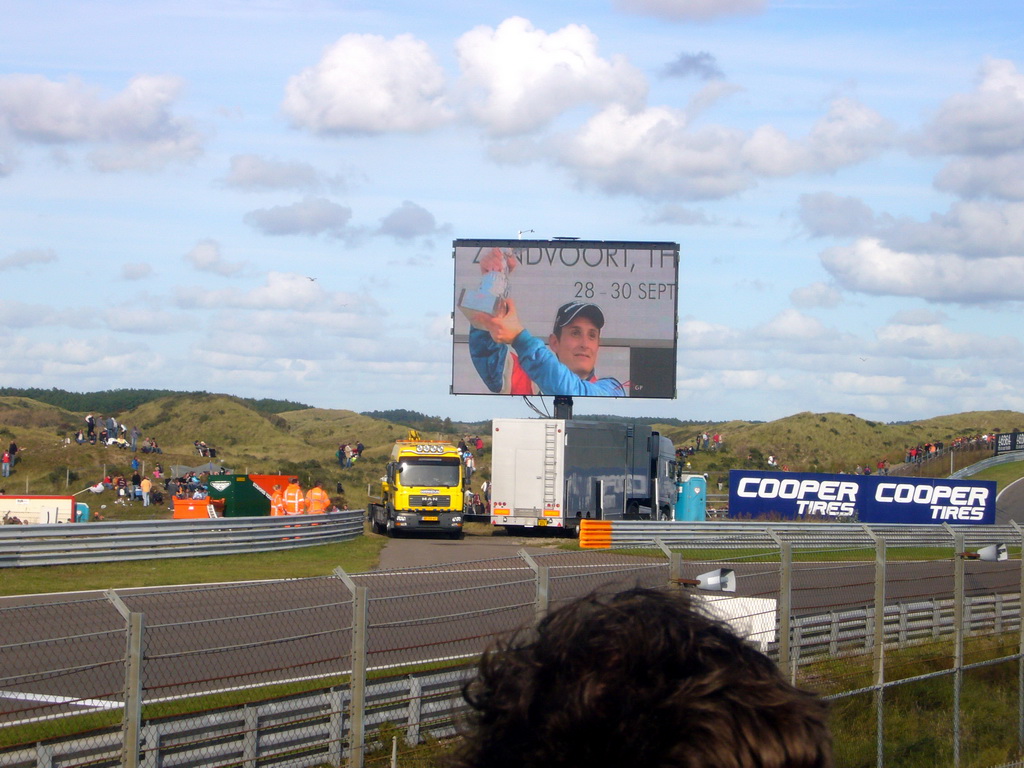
point(105, 542)
point(307, 729)
point(992, 461)
point(721, 534)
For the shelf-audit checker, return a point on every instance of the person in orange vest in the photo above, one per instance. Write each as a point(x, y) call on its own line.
point(277, 502)
point(317, 500)
point(293, 499)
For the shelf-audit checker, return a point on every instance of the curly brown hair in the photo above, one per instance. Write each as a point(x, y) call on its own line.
point(641, 678)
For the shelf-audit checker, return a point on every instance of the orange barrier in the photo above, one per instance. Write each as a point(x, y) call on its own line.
point(185, 509)
point(595, 534)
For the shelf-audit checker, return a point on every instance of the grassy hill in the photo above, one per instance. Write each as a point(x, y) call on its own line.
point(303, 441)
point(836, 442)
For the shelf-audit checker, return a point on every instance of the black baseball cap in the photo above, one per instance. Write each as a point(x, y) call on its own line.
point(569, 312)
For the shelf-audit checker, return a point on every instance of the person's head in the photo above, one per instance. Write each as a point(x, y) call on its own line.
point(639, 678)
point(576, 337)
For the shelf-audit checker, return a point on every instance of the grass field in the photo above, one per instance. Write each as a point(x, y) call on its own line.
point(361, 554)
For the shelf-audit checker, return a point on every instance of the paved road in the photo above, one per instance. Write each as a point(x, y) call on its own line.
point(1010, 503)
point(482, 542)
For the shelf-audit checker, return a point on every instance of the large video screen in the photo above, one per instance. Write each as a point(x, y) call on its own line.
point(581, 318)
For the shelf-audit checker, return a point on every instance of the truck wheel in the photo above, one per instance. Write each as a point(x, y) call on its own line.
point(666, 513)
point(391, 531)
point(633, 510)
point(457, 535)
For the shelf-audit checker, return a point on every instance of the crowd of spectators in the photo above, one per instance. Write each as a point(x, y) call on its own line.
point(923, 452)
point(348, 454)
point(159, 489)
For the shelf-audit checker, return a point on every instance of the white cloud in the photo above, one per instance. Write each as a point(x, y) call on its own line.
point(924, 340)
point(653, 154)
point(312, 216)
point(367, 84)
point(409, 221)
point(656, 152)
point(282, 291)
point(679, 215)
point(18, 314)
point(1001, 177)
point(815, 295)
point(136, 271)
point(990, 120)
point(791, 324)
point(971, 230)
point(985, 130)
point(252, 172)
point(206, 257)
point(918, 316)
point(701, 65)
point(852, 383)
point(517, 78)
point(870, 267)
point(849, 133)
point(27, 258)
point(825, 214)
point(128, 319)
point(700, 334)
point(87, 360)
point(132, 129)
point(692, 10)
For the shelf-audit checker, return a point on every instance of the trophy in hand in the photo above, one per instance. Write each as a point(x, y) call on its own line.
point(489, 298)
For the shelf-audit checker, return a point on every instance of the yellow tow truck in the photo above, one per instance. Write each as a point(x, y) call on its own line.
point(422, 490)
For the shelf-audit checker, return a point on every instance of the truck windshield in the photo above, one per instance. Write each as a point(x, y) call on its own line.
point(430, 472)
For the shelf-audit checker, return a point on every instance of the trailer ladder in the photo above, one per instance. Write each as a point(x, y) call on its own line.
point(550, 463)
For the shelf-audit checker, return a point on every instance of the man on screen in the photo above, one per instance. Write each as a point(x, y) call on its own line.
point(512, 361)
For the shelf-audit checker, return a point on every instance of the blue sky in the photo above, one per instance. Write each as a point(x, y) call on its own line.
point(845, 181)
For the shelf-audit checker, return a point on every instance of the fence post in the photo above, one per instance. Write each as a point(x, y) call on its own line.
point(357, 686)
point(878, 652)
point(1020, 645)
point(959, 597)
point(543, 595)
point(131, 726)
point(675, 563)
point(785, 608)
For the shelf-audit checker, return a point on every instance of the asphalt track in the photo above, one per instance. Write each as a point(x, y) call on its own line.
point(433, 600)
point(1010, 503)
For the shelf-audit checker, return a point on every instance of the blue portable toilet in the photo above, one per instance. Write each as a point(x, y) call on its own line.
point(692, 501)
point(82, 513)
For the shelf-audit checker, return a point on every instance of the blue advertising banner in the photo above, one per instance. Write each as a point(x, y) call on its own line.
point(860, 498)
point(1009, 441)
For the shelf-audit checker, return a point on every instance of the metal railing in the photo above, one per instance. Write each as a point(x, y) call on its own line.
point(726, 534)
point(106, 542)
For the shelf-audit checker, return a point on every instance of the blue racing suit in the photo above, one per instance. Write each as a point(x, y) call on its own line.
point(528, 367)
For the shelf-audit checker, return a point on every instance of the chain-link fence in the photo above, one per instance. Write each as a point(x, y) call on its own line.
point(920, 653)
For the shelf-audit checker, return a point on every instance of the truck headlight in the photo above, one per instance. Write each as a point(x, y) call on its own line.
point(399, 518)
point(457, 519)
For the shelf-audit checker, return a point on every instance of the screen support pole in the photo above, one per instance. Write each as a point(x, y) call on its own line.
point(563, 407)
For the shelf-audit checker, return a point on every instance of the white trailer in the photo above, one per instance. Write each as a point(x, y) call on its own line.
point(552, 473)
point(36, 510)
